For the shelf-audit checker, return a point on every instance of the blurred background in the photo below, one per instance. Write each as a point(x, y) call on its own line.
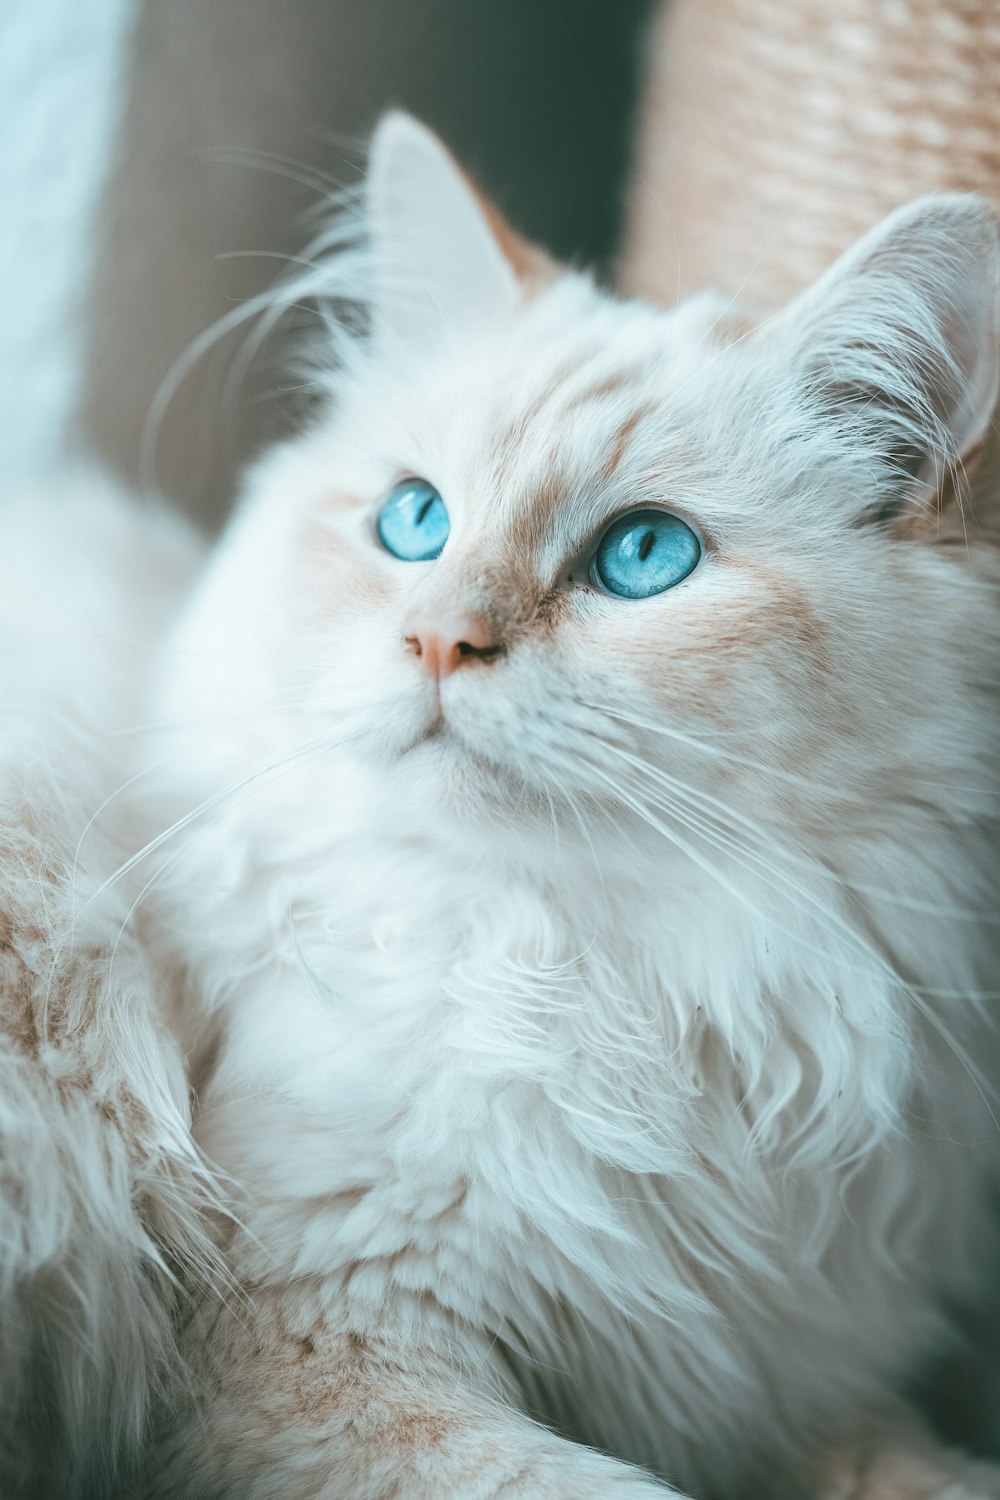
point(158, 157)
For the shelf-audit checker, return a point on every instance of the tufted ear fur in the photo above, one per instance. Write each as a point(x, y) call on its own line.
point(900, 340)
point(444, 259)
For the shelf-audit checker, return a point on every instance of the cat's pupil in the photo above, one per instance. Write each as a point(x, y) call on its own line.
point(646, 546)
point(422, 512)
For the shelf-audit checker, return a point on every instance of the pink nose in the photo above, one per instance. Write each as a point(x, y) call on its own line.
point(445, 641)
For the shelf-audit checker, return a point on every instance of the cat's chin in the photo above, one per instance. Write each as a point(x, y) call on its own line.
point(441, 749)
point(442, 772)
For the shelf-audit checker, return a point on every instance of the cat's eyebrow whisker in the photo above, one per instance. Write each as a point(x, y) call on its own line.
point(257, 335)
point(331, 192)
point(329, 275)
point(735, 297)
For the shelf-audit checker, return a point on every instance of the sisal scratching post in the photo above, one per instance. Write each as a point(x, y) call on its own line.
point(773, 132)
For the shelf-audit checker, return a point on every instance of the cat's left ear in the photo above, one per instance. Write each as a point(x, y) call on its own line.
point(445, 261)
point(900, 343)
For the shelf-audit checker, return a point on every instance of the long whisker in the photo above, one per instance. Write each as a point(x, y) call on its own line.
point(789, 853)
point(283, 761)
point(726, 816)
point(727, 838)
point(249, 788)
point(286, 704)
point(709, 747)
point(802, 899)
point(328, 276)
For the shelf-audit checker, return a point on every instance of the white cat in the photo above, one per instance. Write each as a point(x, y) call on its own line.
point(589, 918)
point(572, 856)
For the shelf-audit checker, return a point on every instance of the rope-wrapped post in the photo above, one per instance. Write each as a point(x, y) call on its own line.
point(773, 132)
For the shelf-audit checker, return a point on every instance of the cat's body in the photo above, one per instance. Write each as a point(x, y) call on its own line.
point(588, 994)
point(101, 1190)
point(436, 1120)
point(593, 1025)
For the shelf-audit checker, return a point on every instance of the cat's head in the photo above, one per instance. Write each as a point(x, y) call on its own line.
point(555, 559)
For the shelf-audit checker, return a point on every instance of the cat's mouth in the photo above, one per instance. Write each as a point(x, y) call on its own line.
point(439, 726)
point(440, 733)
point(441, 730)
point(434, 730)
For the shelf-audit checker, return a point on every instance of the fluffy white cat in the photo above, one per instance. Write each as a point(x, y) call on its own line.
point(572, 857)
point(591, 932)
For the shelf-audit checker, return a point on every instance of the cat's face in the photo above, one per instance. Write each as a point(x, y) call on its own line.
point(561, 559)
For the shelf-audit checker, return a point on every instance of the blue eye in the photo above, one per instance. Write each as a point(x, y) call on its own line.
point(413, 524)
point(644, 553)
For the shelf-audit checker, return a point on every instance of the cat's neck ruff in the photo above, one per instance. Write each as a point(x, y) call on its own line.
point(567, 1111)
point(385, 967)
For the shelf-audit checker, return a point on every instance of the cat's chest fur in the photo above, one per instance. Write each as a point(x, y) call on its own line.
point(438, 1092)
point(445, 1109)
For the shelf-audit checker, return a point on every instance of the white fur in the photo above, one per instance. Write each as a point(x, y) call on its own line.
point(627, 1052)
point(101, 1189)
point(620, 1060)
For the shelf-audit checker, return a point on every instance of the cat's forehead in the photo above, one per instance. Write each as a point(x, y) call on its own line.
point(574, 414)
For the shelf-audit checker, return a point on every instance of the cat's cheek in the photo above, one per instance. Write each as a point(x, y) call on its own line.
point(713, 652)
point(334, 575)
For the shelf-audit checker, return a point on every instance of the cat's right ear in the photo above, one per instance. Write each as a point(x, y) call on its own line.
point(900, 342)
point(444, 260)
